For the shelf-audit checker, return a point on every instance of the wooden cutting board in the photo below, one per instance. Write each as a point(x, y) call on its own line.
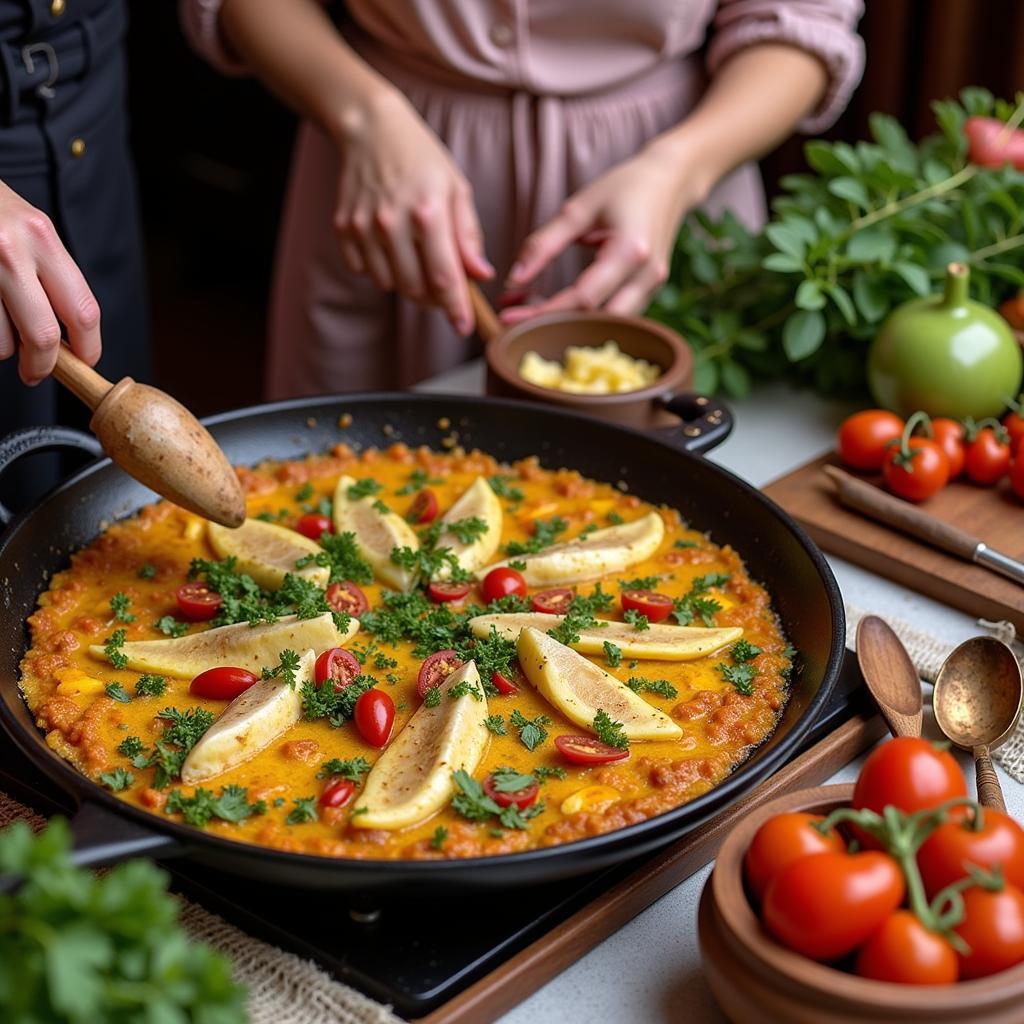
point(993, 515)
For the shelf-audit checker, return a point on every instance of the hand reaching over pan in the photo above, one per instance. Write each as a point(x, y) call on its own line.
point(41, 288)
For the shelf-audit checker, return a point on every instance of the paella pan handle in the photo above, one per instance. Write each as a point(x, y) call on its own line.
point(38, 439)
point(706, 422)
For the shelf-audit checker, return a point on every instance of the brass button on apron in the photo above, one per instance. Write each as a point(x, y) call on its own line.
point(58, 7)
point(77, 147)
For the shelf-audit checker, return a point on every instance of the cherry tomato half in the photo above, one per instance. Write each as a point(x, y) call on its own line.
point(906, 952)
point(648, 602)
point(442, 591)
point(197, 602)
point(782, 839)
point(502, 582)
point(337, 793)
point(338, 665)
point(423, 508)
point(949, 436)
point(926, 473)
point(986, 458)
point(552, 602)
point(347, 597)
point(223, 683)
point(827, 904)
point(435, 670)
point(999, 841)
point(314, 526)
point(375, 717)
point(504, 686)
point(587, 750)
point(993, 927)
point(864, 437)
point(522, 798)
point(909, 773)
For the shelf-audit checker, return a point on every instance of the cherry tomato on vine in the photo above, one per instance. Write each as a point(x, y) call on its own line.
point(587, 750)
point(442, 592)
point(999, 842)
point(909, 773)
point(949, 436)
point(522, 798)
point(827, 904)
point(655, 606)
point(375, 717)
point(987, 457)
point(314, 525)
point(552, 602)
point(920, 474)
point(781, 840)
point(502, 582)
point(864, 438)
point(347, 597)
point(1014, 424)
point(436, 669)
point(197, 602)
point(423, 508)
point(904, 951)
point(222, 683)
point(337, 793)
point(338, 665)
point(993, 928)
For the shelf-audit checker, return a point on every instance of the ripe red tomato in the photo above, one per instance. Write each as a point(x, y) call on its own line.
point(338, 665)
point(587, 750)
point(347, 597)
point(910, 774)
point(827, 904)
point(423, 508)
point(648, 602)
point(375, 717)
point(435, 670)
point(197, 602)
point(337, 793)
point(986, 458)
point(442, 592)
point(989, 144)
point(1017, 474)
point(781, 840)
point(864, 438)
point(1012, 311)
point(999, 842)
point(906, 952)
point(949, 436)
point(314, 526)
point(926, 472)
point(501, 582)
point(505, 686)
point(223, 683)
point(522, 798)
point(993, 927)
point(552, 602)
point(1014, 422)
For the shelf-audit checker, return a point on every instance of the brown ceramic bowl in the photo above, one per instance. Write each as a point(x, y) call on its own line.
point(756, 980)
point(550, 335)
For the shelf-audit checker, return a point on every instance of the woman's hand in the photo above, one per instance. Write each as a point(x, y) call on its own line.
point(632, 214)
point(41, 288)
point(405, 212)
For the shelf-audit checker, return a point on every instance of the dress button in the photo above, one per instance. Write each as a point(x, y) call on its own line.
point(58, 7)
point(502, 33)
point(77, 147)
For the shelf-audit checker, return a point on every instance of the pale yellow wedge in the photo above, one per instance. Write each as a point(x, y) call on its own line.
point(252, 721)
point(413, 778)
point(240, 646)
point(377, 534)
point(480, 502)
point(267, 552)
point(579, 689)
point(659, 642)
point(613, 549)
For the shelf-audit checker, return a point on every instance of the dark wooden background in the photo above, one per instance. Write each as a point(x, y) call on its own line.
point(213, 154)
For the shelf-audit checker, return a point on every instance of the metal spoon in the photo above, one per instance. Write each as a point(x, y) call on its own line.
point(890, 675)
point(977, 701)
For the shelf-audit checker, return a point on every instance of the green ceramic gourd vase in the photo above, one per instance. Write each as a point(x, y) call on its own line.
point(945, 354)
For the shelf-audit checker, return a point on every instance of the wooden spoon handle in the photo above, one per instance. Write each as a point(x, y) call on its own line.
point(990, 793)
point(488, 325)
point(80, 379)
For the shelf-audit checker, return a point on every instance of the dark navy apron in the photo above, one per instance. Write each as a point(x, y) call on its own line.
point(64, 148)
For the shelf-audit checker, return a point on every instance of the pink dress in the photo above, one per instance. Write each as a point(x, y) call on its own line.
point(534, 98)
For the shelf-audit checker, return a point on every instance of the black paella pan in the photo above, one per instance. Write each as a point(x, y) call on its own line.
point(665, 466)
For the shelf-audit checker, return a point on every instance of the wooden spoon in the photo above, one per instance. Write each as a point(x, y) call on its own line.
point(977, 701)
point(156, 440)
point(890, 675)
point(488, 325)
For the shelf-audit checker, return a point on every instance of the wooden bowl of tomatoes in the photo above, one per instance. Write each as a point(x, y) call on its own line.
point(825, 907)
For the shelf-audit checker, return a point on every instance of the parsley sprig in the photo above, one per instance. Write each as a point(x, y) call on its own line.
point(286, 668)
point(353, 769)
point(608, 731)
point(231, 804)
point(661, 687)
point(545, 533)
point(694, 603)
point(341, 556)
point(531, 730)
point(119, 605)
point(475, 805)
point(337, 706)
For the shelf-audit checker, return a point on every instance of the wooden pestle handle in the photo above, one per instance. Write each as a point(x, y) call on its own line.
point(80, 378)
point(990, 793)
point(488, 326)
point(901, 515)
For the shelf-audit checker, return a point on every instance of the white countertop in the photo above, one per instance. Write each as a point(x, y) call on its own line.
point(650, 970)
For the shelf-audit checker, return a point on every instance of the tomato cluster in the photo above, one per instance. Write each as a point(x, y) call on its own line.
point(913, 883)
point(918, 457)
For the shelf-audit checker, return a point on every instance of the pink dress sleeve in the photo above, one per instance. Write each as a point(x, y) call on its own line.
point(200, 21)
point(825, 28)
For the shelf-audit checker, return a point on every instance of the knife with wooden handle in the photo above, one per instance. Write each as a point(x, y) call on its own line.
point(869, 500)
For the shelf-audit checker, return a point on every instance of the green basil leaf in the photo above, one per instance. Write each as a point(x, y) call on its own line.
point(803, 334)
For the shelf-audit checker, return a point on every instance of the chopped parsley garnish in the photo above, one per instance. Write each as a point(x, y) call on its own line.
point(517, 565)
point(615, 519)
point(380, 507)
point(474, 804)
point(117, 780)
point(531, 731)
point(496, 654)
point(640, 583)
point(662, 687)
point(542, 773)
point(581, 615)
point(463, 688)
point(508, 780)
point(170, 626)
point(502, 487)
point(432, 698)
point(741, 676)
point(119, 605)
point(744, 650)
point(495, 724)
point(115, 691)
point(694, 604)
point(438, 838)
point(150, 686)
point(341, 556)
point(232, 804)
point(305, 492)
point(305, 810)
point(364, 489)
point(545, 533)
point(147, 571)
point(637, 620)
point(130, 746)
point(467, 530)
point(272, 517)
point(112, 649)
point(353, 769)
point(337, 706)
point(286, 668)
point(613, 654)
point(418, 479)
point(684, 544)
point(608, 731)
point(185, 730)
